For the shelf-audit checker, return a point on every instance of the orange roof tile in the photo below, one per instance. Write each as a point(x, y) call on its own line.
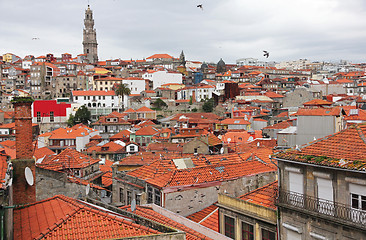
point(265, 196)
point(210, 173)
point(146, 131)
point(67, 159)
point(149, 213)
point(232, 121)
point(317, 102)
point(93, 93)
point(62, 217)
point(336, 111)
point(160, 56)
point(208, 217)
point(145, 109)
point(281, 125)
point(337, 150)
point(8, 143)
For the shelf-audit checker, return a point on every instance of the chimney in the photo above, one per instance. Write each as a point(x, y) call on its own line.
point(23, 193)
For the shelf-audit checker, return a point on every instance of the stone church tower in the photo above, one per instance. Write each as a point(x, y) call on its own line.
point(90, 37)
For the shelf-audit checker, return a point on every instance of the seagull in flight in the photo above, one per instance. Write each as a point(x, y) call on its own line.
point(35, 38)
point(200, 6)
point(266, 54)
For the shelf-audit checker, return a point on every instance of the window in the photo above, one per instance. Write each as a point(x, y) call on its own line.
point(247, 231)
point(229, 227)
point(121, 197)
point(129, 197)
point(76, 98)
point(132, 148)
point(52, 117)
point(195, 150)
point(149, 195)
point(38, 116)
point(157, 197)
point(268, 235)
point(358, 201)
point(138, 201)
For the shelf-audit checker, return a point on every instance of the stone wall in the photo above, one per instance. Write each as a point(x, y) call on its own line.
point(50, 183)
point(194, 199)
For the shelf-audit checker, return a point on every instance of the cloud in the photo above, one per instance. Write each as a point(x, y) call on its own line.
point(231, 29)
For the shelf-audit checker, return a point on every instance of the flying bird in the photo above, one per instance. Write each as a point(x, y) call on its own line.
point(35, 38)
point(266, 54)
point(200, 6)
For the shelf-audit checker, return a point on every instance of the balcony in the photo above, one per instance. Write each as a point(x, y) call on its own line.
point(328, 210)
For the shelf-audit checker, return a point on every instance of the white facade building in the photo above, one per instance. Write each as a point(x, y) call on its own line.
point(199, 92)
point(137, 85)
point(99, 102)
point(163, 77)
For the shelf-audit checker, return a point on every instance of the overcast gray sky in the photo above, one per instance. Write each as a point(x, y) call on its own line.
point(318, 30)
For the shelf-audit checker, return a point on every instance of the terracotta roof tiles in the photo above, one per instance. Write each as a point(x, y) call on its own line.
point(62, 217)
point(336, 150)
point(264, 196)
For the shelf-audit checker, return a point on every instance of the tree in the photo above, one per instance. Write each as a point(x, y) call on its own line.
point(122, 90)
point(71, 121)
point(208, 105)
point(159, 104)
point(82, 115)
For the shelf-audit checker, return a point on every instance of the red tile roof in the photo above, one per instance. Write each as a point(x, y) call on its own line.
point(67, 159)
point(145, 109)
point(281, 125)
point(337, 150)
point(336, 111)
point(3, 168)
point(62, 217)
point(149, 213)
point(208, 217)
point(317, 102)
point(146, 131)
point(93, 93)
point(211, 173)
point(265, 196)
point(160, 56)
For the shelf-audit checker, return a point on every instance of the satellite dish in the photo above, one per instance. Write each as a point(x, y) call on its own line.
point(29, 176)
point(222, 150)
point(228, 140)
point(133, 205)
point(87, 190)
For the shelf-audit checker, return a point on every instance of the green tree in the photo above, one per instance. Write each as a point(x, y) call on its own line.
point(209, 105)
point(159, 104)
point(122, 90)
point(82, 115)
point(71, 121)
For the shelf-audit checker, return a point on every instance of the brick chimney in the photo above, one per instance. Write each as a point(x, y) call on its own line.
point(23, 193)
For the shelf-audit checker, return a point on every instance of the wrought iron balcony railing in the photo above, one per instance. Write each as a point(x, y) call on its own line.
point(329, 210)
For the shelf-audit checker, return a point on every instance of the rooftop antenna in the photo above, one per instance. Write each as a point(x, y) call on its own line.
point(29, 176)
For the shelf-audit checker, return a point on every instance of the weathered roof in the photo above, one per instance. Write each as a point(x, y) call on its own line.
point(345, 149)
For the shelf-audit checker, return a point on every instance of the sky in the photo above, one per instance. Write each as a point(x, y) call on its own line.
point(317, 30)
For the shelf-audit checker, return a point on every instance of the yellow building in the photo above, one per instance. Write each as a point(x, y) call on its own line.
point(173, 86)
point(251, 216)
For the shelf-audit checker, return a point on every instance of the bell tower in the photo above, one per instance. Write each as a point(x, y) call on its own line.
point(90, 44)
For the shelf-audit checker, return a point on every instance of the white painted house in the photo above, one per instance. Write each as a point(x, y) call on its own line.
point(137, 85)
point(99, 102)
point(159, 78)
point(199, 93)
